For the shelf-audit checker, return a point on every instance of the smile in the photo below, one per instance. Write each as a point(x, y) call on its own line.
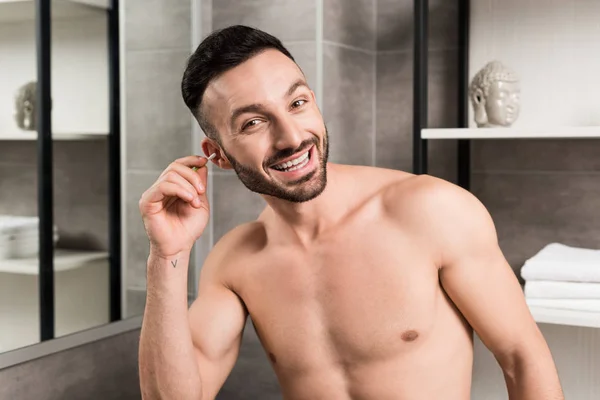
point(294, 164)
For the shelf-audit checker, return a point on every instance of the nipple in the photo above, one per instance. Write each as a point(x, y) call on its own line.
point(410, 335)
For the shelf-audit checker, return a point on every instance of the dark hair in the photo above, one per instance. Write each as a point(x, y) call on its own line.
point(221, 51)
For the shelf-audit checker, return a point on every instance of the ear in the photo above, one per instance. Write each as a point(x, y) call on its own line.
point(210, 146)
point(480, 114)
point(478, 97)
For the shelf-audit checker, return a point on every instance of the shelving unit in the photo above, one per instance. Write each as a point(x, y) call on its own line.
point(30, 136)
point(577, 132)
point(559, 82)
point(565, 317)
point(24, 10)
point(81, 297)
point(64, 260)
point(71, 49)
point(78, 69)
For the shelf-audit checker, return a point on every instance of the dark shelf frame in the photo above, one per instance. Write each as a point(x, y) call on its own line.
point(43, 29)
point(420, 86)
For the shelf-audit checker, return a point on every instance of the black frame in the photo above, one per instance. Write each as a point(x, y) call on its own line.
point(43, 22)
point(45, 189)
point(421, 22)
point(114, 161)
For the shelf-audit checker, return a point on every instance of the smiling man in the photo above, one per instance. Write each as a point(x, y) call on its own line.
point(361, 282)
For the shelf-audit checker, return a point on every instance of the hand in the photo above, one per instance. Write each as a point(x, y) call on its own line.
point(175, 209)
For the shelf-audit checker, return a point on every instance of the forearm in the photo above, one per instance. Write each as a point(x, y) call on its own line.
point(533, 376)
point(168, 366)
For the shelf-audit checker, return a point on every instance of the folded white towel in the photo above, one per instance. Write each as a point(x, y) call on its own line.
point(567, 304)
point(562, 290)
point(558, 262)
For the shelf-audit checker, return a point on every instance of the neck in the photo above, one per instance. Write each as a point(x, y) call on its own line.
point(310, 219)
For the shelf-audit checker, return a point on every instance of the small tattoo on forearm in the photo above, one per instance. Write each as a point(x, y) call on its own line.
point(174, 263)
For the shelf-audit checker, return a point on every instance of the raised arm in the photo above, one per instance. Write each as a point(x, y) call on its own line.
point(217, 319)
point(185, 354)
point(480, 282)
point(188, 354)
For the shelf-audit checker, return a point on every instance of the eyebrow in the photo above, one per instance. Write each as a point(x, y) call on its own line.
point(259, 108)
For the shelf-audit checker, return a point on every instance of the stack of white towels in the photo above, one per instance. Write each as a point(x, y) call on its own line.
point(19, 237)
point(563, 277)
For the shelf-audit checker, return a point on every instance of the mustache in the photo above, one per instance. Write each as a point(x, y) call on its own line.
point(290, 152)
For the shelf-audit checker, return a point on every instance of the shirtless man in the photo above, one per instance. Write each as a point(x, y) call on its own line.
point(361, 282)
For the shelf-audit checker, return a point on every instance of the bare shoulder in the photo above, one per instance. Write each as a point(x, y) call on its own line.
point(375, 179)
point(437, 208)
point(428, 195)
point(232, 249)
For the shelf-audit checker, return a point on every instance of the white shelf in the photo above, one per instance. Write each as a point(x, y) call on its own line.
point(24, 10)
point(565, 317)
point(64, 260)
point(513, 133)
point(23, 135)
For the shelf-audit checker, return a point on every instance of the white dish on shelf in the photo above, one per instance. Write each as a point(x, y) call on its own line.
point(19, 236)
point(22, 246)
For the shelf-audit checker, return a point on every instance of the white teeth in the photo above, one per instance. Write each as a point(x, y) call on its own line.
point(286, 165)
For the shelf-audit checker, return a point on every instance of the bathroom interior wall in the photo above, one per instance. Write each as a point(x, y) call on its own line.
point(157, 125)
point(537, 191)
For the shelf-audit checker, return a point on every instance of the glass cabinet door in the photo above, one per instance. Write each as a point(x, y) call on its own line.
point(57, 142)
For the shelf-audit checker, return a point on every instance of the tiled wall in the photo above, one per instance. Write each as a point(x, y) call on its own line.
point(394, 99)
point(157, 123)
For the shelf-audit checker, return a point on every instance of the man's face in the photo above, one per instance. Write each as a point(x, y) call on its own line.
point(503, 103)
point(266, 114)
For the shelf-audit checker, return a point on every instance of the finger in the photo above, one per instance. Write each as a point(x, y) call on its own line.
point(213, 155)
point(165, 189)
point(190, 176)
point(174, 177)
point(193, 161)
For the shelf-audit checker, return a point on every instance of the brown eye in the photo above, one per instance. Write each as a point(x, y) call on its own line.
point(298, 103)
point(250, 124)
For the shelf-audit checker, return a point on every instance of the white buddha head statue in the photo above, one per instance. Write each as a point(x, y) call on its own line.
point(495, 95)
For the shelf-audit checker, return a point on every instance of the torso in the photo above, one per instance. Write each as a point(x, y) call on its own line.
point(361, 314)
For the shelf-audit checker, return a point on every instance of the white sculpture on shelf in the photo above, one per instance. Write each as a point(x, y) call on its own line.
point(495, 95)
point(25, 110)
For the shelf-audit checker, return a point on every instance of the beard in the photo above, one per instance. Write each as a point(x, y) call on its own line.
point(301, 190)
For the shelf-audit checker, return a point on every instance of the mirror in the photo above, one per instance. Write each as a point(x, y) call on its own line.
point(80, 126)
point(155, 129)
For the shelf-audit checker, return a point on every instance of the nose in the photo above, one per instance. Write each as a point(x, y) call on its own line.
point(287, 133)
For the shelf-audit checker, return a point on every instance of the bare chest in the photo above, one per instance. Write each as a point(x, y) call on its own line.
point(360, 297)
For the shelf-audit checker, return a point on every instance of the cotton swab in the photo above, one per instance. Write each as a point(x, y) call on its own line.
point(207, 159)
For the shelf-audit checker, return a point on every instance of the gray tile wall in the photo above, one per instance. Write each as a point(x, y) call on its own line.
point(394, 98)
point(349, 56)
point(106, 369)
point(157, 123)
